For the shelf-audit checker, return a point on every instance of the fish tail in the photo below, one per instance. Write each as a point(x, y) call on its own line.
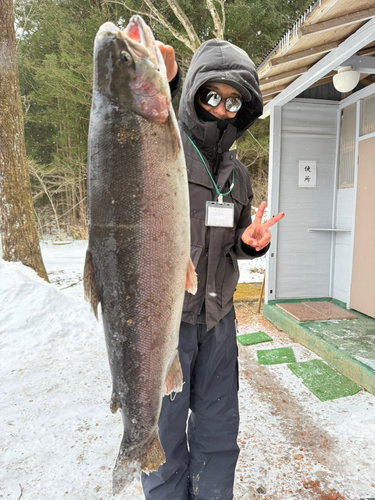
point(129, 465)
point(125, 472)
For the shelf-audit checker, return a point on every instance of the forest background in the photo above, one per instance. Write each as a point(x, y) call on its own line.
point(54, 53)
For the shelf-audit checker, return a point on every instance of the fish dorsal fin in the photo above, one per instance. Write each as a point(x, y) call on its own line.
point(174, 381)
point(89, 284)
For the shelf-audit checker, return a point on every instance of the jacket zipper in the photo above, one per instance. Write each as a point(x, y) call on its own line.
point(218, 155)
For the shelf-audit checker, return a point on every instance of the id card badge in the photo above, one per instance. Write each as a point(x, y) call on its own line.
point(219, 214)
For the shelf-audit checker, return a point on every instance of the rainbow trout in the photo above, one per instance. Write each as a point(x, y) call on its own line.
point(139, 238)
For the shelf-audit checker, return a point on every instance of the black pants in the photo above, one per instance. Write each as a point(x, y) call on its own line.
point(201, 449)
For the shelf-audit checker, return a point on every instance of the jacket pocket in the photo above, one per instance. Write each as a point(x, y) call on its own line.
point(239, 194)
point(230, 279)
point(195, 253)
point(240, 200)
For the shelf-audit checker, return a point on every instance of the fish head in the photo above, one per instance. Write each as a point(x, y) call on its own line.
point(129, 69)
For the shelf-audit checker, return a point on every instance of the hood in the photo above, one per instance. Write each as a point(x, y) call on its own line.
point(220, 61)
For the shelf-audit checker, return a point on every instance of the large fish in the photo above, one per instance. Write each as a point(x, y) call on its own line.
point(139, 239)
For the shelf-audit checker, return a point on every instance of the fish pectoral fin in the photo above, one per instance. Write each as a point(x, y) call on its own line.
point(191, 278)
point(174, 380)
point(175, 135)
point(89, 284)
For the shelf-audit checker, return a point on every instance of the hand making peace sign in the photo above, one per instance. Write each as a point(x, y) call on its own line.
point(257, 235)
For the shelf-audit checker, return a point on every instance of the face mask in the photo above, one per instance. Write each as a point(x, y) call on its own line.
point(206, 116)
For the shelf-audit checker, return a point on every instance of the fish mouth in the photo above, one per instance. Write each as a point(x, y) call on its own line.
point(137, 37)
point(141, 40)
point(132, 57)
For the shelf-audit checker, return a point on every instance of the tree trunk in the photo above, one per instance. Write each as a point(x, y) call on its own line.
point(82, 207)
point(19, 237)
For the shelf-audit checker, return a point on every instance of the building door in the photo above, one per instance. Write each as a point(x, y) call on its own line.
point(363, 276)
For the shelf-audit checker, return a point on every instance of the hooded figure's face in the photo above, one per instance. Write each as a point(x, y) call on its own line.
point(220, 112)
point(219, 61)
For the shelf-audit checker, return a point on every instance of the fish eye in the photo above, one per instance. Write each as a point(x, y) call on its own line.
point(125, 57)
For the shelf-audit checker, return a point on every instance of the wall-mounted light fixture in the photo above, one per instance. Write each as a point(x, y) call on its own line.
point(346, 79)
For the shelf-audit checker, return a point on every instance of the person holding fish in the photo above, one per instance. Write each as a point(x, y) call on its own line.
point(198, 427)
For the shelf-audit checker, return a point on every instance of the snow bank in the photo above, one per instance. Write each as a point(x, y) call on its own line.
point(30, 306)
point(58, 438)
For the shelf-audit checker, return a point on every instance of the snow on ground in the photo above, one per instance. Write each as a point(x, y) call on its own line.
point(59, 440)
point(295, 440)
point(64, 263)
point(252, 271)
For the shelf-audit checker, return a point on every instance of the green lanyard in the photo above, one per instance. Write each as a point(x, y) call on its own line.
point(220, 195)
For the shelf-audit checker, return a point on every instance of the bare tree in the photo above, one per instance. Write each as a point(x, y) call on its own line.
point(19, 238)
point(189, 37)
point(218, 23)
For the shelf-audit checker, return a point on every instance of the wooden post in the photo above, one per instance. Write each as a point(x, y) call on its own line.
point(261, 293)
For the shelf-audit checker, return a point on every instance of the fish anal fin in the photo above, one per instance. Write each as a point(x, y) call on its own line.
point(191, 279)
point(174, 380)
point(89, 284)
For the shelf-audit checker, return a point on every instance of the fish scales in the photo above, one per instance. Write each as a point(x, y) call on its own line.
point(139, 240)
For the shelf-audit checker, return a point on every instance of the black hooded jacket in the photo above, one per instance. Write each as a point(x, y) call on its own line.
point(215, 250)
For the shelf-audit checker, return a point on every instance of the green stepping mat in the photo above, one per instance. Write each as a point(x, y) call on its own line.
point(253, 338)
point(276, 356)
point(323, 381)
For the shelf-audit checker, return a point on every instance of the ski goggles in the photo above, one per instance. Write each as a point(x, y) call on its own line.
point(213, 99)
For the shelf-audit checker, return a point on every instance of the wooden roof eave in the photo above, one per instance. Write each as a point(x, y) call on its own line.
point(337, 22)
point(325, 21)
point(304, 53)
point(315, 51)
point(361, 38)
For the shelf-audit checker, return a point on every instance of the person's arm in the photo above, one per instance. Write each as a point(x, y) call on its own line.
point(175, 84)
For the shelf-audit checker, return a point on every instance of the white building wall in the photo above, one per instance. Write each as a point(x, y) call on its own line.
point(308, 132)
point(343, 244)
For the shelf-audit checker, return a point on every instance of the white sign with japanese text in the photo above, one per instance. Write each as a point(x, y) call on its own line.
point(307, 173)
